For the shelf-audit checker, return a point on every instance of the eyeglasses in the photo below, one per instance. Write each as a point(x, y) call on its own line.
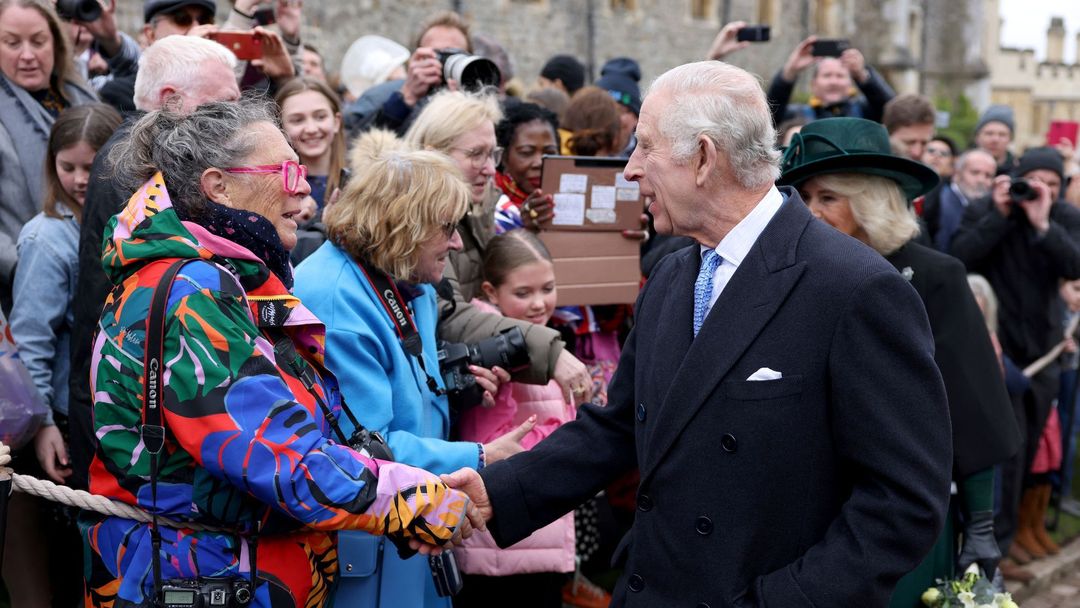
point(291, 171)
point(449, 228)
point(183, 17)
point(478, 157)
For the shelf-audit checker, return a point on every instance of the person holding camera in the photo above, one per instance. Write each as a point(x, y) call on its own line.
point(394, 105)
point(94, 35)
point(835, 84)
point(213, 406)
point(462, 126)
point(390, 235)
point(1024, 239)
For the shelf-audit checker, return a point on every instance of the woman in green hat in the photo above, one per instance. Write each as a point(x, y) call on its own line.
point(845, 172)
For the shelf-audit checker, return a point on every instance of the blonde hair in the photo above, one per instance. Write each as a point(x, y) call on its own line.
point(878, 205)
point(371, 146)
point(448, 116)
point(396, 205)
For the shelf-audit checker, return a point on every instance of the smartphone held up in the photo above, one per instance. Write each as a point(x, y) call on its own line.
point(245, 45)
point(753, 33)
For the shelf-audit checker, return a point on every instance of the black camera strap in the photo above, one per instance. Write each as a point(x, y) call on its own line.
point(394, 304)
point(152, 429)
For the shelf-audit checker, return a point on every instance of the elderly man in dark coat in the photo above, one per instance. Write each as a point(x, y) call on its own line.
point(778, 392)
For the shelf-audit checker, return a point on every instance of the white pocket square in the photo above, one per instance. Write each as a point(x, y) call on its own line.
point(765, 374)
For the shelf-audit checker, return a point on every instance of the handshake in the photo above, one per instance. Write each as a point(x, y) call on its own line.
point(477, 513)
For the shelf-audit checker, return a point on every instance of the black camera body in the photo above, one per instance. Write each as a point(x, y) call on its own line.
point(445, 574)
point(507, 350)
point(1020, 190)
point(371, 443)
point(78, 10)
point(470, 71)
point(205, 592)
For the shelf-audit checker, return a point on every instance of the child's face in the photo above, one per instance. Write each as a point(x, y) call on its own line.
point(1070, 292)
point(527, 294)
point(73, 168)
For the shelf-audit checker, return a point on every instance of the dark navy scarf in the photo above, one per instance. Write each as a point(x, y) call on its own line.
point(249, 230)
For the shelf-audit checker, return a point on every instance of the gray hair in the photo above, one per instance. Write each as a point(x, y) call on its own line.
point(175, 61)
point(181, 147)
point(727, 105)
point(963, 158)
point(985, 298)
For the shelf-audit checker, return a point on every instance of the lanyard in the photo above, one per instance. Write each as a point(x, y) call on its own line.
point(393, 303)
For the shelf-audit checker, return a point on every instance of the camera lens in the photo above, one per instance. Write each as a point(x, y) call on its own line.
point(471, 72)
point(78, 10)
point(1020, 190)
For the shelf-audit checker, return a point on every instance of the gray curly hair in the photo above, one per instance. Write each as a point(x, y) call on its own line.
point(182, 146)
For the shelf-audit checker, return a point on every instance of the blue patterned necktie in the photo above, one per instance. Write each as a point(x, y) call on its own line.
point(703, 287)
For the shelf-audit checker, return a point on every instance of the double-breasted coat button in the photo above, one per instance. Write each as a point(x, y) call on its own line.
point(728, 442)
point(644, 503)
point(641, 412)
point(703, 525)
point(636, 583)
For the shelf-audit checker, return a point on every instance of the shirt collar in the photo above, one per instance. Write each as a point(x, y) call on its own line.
point(737, 243)
point(959, 193)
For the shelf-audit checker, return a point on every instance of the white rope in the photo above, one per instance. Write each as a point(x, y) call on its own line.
point(82, 500)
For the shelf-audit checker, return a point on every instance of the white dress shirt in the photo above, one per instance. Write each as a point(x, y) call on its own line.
point(737, 243)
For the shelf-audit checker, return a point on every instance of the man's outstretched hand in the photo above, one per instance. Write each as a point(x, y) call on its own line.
point(469, 482)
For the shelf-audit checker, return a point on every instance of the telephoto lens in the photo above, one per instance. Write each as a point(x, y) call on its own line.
point(1020, 190)
point(78, 10)
point(471, 72)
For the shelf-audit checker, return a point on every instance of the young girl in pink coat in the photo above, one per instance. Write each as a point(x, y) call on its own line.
point(519, 283)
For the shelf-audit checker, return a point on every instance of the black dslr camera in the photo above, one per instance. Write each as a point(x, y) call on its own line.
point(470, 71)
point(507, 350)
point(371, 443)
point(78, 10)
point(1020, 190)
point(208, 592)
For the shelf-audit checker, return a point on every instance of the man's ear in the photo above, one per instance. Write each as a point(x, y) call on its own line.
point(213, 186)
point(705, 160)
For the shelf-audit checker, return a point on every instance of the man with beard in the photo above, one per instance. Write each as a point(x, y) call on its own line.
point(944, 206)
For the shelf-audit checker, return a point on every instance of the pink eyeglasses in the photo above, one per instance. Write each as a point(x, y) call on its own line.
point(291, 173)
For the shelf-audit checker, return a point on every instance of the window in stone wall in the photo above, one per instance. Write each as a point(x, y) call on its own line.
point(766, 13)
point(623, 5)
point(702, 9)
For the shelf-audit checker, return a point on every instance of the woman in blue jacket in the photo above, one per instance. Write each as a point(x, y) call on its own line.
point(389, 237)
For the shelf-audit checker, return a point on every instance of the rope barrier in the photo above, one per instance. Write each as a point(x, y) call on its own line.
point(83, 500)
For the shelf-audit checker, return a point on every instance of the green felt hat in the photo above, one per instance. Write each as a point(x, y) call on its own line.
point(851, 145)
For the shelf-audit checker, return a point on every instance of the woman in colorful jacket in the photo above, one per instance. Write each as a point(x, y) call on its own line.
point(392, 231)
point(250, 413)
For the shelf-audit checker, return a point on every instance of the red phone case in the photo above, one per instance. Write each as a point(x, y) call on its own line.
point(1062, 129)
point(245, 45)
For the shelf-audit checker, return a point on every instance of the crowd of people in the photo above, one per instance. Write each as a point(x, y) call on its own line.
point(851, 370)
